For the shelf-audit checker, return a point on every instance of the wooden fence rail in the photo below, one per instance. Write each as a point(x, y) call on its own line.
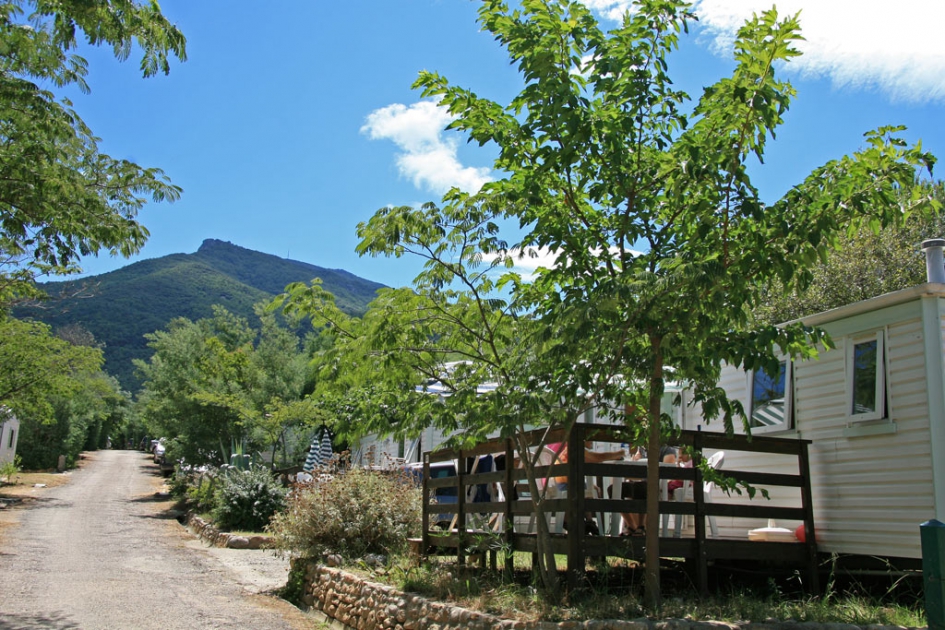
point(484, 525)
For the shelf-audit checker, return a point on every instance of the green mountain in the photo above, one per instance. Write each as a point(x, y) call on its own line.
point(121, 306)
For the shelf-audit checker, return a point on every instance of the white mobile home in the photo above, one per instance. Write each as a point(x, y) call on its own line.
point(9, 434)
point(376, 450)
point(874, 409)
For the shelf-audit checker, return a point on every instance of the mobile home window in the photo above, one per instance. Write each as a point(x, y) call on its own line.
point(12, 437)
point(771, 399)
point(866, 377)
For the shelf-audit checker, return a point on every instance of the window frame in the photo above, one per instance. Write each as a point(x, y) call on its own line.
point(881, 396)
point(788, 424)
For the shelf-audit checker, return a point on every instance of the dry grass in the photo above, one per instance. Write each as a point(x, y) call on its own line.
point(26, 487)
point(25, 483)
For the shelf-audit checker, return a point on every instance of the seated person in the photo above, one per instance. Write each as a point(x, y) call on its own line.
point(633, 523)
point(593, 457)
point(561, 456)
point(683, 461)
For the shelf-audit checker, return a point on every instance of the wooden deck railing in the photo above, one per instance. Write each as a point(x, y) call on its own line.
point(491, 524)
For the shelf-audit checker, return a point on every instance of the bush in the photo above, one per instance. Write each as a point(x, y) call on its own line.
point(352, 514)
point(9, 470)
point(196, 486)
point(246, 499)
point(200, 493)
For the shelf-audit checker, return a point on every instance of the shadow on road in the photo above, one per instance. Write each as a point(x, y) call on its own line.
point(45, 622)
point(169, 511)
point(39, 502)
point(157, 497)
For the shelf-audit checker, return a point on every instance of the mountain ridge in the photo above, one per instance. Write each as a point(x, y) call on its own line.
point(120, 306)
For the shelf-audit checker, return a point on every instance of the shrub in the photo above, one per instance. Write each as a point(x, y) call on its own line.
point(201, 493)
point(180, 482)
point(247, 499)
point(9, 470)
point(352, 514)
point(196, 486)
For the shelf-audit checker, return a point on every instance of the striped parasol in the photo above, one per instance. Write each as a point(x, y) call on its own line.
point(325, 451)
point(319, 453)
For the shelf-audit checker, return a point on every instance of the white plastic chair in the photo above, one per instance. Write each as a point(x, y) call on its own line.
point(715, 462)
point(616, 519)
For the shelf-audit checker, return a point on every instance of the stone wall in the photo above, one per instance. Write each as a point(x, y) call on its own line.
point(364, 605)
point(351, 602)
point(215, 537)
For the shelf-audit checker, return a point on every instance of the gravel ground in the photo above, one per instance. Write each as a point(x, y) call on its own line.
point(105, 551)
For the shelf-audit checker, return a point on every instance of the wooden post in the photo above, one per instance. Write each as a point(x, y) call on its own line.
point(509, 515)
point(701, 568)
point(575, 511)
point(807, 503)
point(460, 508)
point(425, 518)
point(932, 536)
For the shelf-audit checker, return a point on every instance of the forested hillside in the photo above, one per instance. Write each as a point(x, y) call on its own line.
point(120, 307)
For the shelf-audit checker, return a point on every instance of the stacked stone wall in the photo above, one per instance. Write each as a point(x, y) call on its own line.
point(352, 602)
point(215, 537)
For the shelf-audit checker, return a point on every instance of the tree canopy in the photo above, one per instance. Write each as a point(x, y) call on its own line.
point(35, 365)
point(217, 382)
point(662, 244)
point(55, 386)
point(865, 264)
point(60, 197)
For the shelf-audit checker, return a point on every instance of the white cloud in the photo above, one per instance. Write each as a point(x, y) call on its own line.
point(612, 9)
point(527, 262)
point(427, 157)
point(891, 46)
point(895, 47)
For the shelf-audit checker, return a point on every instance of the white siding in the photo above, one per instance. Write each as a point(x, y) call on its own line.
point(870, 492)
point(375, 451)
point(383, 450)
point(9, 436)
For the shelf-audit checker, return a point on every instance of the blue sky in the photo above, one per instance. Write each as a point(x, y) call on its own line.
point(288, 126)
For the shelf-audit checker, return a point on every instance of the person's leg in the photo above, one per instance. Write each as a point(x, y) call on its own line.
point(634, 520)
point(631, 522)
point(639, 493)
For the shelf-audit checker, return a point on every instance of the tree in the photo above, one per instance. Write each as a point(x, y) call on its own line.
point(60, 198)
point(36, 366)
point(217, 381)
point(603, 157)
point(281, 378)
point(81, 421)
point(64, 401)
point(864, 265)
point(450, 328)
point(173, 401)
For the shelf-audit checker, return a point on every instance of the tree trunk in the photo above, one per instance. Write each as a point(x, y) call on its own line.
point(651, 594)
point(547, 566)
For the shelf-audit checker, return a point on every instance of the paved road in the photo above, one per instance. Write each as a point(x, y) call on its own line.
point(102, 551)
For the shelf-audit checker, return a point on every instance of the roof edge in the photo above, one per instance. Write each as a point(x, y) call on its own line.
point(928, 289)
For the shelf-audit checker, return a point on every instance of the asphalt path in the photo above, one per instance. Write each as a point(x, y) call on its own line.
point(105, 551)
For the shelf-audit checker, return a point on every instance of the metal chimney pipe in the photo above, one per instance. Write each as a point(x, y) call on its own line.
point(934, 259)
